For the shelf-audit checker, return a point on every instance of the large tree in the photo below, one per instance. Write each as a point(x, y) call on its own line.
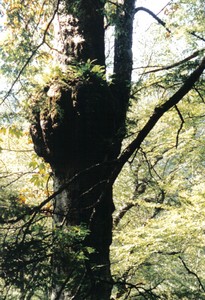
point(80, 130)
point(78, 123)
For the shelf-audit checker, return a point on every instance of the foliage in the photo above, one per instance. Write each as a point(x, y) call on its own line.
point(90, 70)
point(158, 235)
point(27, 253)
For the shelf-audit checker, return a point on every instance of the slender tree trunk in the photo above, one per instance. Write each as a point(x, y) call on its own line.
point(123, 60)
point(79, 132)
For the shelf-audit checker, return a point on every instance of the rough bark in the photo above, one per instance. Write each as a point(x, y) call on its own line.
point(77, 136)
point(79, 130)
point(123, 60)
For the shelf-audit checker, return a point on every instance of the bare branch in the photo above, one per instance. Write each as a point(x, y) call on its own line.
point(165, 7)
point(181, 125)
point(197, 36)
point(149, 165)
point(18, 177)
point(192, 273)
point(169, 253)
point(13, 150)
point(188, 58)
point(139, 287)
point(122, 212)
point(199, 93)
point(141, 8)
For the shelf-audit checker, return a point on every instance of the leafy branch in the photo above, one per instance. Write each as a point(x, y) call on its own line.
point(159, 111)
point(34, 52)
point(33, 211)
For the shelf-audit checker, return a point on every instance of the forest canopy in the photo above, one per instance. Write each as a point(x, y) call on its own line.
point(102, 147)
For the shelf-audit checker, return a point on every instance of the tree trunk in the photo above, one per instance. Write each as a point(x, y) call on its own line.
point(94, 278)
point(78, 142)
point(79, 132)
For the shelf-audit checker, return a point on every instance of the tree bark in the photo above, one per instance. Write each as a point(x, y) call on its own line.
point(123, 59)
point(79, 132)
point(79, 143)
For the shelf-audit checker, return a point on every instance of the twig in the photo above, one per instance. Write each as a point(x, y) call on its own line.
point(169, 253)
point(164, 7)
point(122, 212)
point(15, 179)
point(197, 36)
point(192, 273)
point(181, 125)
point(15, 150)
point(149, 165)
point(60, 291)
point(199, 93)
point(188, 58)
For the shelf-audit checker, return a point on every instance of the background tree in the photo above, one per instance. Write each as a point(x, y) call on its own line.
point(78, 123)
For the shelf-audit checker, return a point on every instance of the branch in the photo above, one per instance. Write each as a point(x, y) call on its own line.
point(196, 53)
point(19, 176)
point(139, 287)
point(13, 150)
point(155, 117)
point(141, 8)
point(122, 212)
point(157, 210)
point(169, 253)
point(149, 165)
point(157, 114)
point(199, 93)
point(197, 36)
point(192, 273)
point(33, 211)
point(181, 125)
